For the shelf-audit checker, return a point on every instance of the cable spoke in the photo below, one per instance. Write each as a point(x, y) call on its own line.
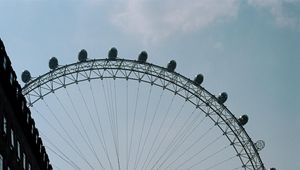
point(209, 156)
point(160, 127)
point(117, 126)
point(62, 127)
point(103, 143)
point(185, 131)
point(221, 162)
point(110, 114)
point(76, 149)
point(93, 123)
point(150, 128)
point(59, 153)
point(64, 158)
point(134, 119)
point(190, 146)
point(168, 132)
point(204, 148)
point(144, 120)
point(183, 135)
point(127, 126)
point(87, 139)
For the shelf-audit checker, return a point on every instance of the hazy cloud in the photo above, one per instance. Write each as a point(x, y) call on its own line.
point(156, 20)
point(285, 12)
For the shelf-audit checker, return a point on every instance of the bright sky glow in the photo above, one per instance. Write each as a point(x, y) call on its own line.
point(248, 48)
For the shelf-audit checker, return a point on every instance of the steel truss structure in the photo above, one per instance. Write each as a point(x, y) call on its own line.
point(156, 75)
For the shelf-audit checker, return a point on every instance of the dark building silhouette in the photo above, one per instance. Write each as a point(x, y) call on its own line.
point(21, 148)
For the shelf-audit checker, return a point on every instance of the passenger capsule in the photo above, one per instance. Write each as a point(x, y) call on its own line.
point(260, 145)
point(243, 120)
point(222, 98)
point(53, 63)
point(198, 79)
point(26, 76)
point(171, 66)
point(113, 53)
point(143, 57)
point(82, 55)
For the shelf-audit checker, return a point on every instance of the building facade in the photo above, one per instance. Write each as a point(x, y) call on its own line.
point(21, 148)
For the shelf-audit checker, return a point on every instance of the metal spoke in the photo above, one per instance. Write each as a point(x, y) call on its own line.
point(102, 138)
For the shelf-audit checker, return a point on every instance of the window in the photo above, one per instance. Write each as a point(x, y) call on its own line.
point(32, 127)
point(12, 138)
point(18, 150)
point(4, 63)
point(4, 125)
point(17, 95)
point(27, 117)
point(47, 164)
point(11, 78)
point(40, 148)
point(24, 161)
point(36, 138)
point(1, 162)
point(23, 105)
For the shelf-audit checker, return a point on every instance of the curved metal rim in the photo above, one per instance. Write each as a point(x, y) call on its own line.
point(155, 75)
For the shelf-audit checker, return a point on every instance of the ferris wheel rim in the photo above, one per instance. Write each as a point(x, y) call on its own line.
point(133, 66)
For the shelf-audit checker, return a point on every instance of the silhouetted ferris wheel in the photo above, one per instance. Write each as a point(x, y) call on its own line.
point(130, 114)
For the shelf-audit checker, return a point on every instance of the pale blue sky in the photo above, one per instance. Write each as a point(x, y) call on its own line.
point(248, 48)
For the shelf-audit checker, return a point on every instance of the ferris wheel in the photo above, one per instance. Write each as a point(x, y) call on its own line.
point(126, 114)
